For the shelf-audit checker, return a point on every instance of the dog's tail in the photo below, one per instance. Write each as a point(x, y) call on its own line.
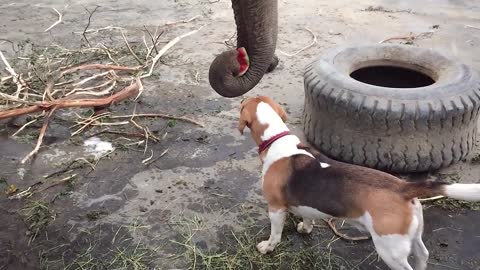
point(466, 192)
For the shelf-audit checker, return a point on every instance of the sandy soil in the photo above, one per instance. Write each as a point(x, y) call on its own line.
point(207, 184)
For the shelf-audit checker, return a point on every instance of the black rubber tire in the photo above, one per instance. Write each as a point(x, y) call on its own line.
point(391, 129)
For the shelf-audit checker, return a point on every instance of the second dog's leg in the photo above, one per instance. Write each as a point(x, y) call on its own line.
point(306, 226)
point(394, 250)
point(420, 252)
point(277, 220)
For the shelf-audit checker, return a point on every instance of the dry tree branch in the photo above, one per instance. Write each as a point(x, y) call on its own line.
point(83, 90)
point(100, 29)
point(154, 40)
point(140, 88)
point(87, 122)
point(88, 24)
point(111, 123)
point(58, 182)
point(410, 37)
point(90, 78)
point(15, 77)
point(183, 21)
point(472, 26)
point(125, 93)
point(8, 97)
point(314, 40)
point(130, 49)
point(160, 115)
point(165, 49)
point(24, 126)
point(342, 235)
point(60, 16)
point(3, 79)
point(100, 93)
point(97, 66)
point(107, 51)
point(40, 136)
point(126, 134)
point(147, 163)
point(90, 118)
point(48, 90)
point(149, 158)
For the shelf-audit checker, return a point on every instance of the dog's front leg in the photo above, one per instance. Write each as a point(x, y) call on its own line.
point(277, 220)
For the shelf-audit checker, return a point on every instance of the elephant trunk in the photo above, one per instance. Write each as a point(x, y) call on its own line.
point(235, 72)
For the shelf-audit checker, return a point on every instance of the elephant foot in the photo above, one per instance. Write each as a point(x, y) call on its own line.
point(273, 64)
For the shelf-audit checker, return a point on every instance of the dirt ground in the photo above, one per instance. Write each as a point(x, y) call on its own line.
point(199, 205)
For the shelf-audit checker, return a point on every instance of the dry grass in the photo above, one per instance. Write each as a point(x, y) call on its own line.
point(37, 216)
point(239, 251)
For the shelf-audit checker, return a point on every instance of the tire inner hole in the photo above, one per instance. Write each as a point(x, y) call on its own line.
point(391, 76)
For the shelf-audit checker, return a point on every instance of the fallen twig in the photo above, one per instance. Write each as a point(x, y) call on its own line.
point(342, 235)
point(304, 48)
point(15, 99)
point(88, 24)
point(183, 21)
point(23, 194)
point(97, 66)
point(154, 40)
point(58, 182)
point(80, 91)
point(473, 27)
point(157, 158)
point(60, 16)
point(68, 167)
point(149, 158)
point(160, 115)
point(24, 126)
point(138, 135)
point(90, 78)
point(125, 93)
point(130, 49)
point(40, 136)
point(99, 93)
point(100, 29)
point(410, 37)
point(166, 48)
point(16, 78)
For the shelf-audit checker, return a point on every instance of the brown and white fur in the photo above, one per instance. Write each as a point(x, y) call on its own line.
point(300, 180)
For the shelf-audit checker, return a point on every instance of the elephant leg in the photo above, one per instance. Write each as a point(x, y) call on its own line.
point(273, 64)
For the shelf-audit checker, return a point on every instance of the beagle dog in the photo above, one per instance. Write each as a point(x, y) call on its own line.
point(298, 179)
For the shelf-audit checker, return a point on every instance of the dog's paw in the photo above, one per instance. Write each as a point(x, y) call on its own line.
point(264, 247)
point(301, 228)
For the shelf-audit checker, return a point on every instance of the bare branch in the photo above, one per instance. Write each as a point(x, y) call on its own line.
point(40, 136)
point(125, 93)
point(314, 40)
point(88, 24)
point(130, 49)
point(60, 16)
point(166, 48)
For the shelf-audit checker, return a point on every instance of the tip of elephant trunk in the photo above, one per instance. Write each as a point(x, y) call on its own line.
point(243, 61)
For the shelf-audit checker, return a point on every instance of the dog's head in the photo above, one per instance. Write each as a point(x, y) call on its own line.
point(249, 117)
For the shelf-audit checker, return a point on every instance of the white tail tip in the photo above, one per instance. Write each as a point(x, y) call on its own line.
point(466, 192)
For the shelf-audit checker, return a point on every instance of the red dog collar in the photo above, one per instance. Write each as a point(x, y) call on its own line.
point(265, 144)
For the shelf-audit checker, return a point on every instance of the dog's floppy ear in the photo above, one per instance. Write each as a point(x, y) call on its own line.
point(245, 119)
point(281, 112)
